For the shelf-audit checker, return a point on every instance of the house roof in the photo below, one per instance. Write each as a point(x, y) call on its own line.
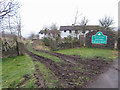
point(88, 27)
point(41, 32)
point(77, 27)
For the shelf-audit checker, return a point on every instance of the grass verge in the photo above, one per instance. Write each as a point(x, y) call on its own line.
point(107, 54)
point(14, 68)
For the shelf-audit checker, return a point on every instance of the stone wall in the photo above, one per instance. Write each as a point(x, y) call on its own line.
point(14, 51)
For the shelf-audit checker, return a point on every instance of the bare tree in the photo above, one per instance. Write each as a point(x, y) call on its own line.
point(106, 22)
point(53, 27)
point(8, 7)
point(76, 17)
point(73, 26)
point(54, 32)
point(83, 23)
point(18, 25)
point(54, 36)
point(8, 11)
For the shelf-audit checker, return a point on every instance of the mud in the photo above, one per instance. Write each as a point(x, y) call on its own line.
point(40, 81)
point(67, 58)
point(65, 72)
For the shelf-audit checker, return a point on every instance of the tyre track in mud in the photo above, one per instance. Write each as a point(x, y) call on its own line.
point(67, 58)
point(60, 72)
point(77, 59)
point(40, 81)
point(66, 75)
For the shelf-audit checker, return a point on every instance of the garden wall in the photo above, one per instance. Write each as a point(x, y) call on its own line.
point(110, 39)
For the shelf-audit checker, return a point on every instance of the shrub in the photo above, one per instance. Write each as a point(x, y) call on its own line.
point(46, 41)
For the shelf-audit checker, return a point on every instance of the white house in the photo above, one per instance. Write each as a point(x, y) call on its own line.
point(70, 30)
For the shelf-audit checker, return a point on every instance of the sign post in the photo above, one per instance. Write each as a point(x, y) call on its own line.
point(99, 38)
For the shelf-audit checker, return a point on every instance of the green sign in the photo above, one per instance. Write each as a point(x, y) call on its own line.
point(99, 38)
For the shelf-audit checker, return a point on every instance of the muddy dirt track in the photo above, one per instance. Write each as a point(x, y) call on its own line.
point(67, 58)
point(68, 73)
point(40, 81)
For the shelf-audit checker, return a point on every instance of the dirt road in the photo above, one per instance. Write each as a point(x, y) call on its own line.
point(68, 73)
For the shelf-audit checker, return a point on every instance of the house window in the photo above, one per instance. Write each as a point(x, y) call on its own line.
point(70, 31)
point(64, 30)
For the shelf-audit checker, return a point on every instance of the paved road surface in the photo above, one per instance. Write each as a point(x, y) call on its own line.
point(109, 79)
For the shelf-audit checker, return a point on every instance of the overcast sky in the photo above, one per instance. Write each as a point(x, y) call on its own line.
point(37, 14)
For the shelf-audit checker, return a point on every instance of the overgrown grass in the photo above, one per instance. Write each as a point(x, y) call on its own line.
point(54, 58)
point(90, 52)
point(48, 75)
point(14, 68)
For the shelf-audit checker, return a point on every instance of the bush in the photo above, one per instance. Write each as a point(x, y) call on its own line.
point(68, 39)
point(46, 41)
